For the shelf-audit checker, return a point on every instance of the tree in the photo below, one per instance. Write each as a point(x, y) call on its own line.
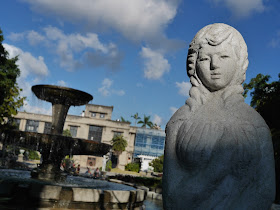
point(136, 117)
point(157, 164)
point(123, 120)
point(266, 101)
point(10, 99)
point(146, 122)
point(67, 133)
point(119, 144)
point(156, 127)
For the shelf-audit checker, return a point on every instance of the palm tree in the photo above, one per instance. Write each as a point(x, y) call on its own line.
point(119, 144)
point(146, 122)
point(156, 127)
point(123, 120)
point(136, 117)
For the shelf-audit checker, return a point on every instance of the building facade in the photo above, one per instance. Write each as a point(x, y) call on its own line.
point(149, 144)
point(95, 124)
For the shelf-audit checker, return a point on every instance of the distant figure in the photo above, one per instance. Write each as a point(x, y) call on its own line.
point(88, 172)
point(78, 169)
point(97, 173)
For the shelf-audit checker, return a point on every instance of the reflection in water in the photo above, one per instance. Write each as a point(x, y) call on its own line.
point(153, 204)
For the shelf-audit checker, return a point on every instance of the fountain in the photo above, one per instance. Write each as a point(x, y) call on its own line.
point(50, 187)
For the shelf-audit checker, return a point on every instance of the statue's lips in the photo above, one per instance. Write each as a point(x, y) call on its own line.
point(215, 75)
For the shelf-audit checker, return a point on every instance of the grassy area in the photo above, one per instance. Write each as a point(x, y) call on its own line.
point(119, 171)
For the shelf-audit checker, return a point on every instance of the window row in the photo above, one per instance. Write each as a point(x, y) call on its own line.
point(154, 140)
point(94, 114)
point(95, 132)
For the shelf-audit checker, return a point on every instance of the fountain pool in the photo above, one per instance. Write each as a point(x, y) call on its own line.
point(49, 187)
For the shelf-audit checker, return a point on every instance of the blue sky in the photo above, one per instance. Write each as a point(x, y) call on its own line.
point(129, 54)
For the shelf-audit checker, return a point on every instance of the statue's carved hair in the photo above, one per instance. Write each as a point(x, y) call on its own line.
point(214, 35)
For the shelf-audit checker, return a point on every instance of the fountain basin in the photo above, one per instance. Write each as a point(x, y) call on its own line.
point(58, 143)
point(18, 190)
point(61, 95)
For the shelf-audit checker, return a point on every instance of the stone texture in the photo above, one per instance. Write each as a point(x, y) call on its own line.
point(116, 196)
point(45, 191)
point(140, 195)
point(218, 152)
point(86, 195)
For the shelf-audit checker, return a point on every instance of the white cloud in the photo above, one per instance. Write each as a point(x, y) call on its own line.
point(16, 36)
point(74, 50)
point(106, 89)
point(242, 8)
point(173, 109)
point(136, 20)
point(28, 64)
point(184, 88)
point(36, 109)
point(61, 83)
point(155, 64)
point(32, 70)
point(157, 120)
point(34, 37)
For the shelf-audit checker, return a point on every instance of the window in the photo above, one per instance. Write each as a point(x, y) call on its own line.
point(32, 125)
point(95, 133)
point(93, 114)
point(91, 161)
point(102, 115)
point(116, 133)
point(73, 130)
point(48, 127)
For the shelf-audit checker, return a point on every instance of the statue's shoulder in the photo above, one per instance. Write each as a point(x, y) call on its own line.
point(179, 116)
point(247, 113)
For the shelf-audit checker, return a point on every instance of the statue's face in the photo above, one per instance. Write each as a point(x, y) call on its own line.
point(216, 65)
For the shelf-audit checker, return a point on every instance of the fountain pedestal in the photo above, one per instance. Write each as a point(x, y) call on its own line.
point(61, 98)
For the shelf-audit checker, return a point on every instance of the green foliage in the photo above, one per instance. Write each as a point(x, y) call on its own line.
point(108, 166)
point(10, 99)
point(132, 167)
point(68, 163)
point(33, 155)
point(123, 120)
point(119, 144)
point(266, 101)
point(136, 117)
point(157, 164)
point(146, 122)
point(66, 133)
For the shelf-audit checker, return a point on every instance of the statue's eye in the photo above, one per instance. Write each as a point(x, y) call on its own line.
point(203, 59)
point(224, 56)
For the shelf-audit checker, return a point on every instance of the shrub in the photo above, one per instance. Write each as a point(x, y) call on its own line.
point(150, 182)
point(132, 167)
point(33, 155)
point(157, 164)
point(108, 166)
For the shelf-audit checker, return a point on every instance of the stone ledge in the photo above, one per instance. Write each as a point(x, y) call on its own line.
point(38, 195)
point(116, 196)
point(154, 195)
point(86, 195)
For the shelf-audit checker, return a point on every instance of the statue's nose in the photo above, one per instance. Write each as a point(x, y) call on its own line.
point(214, 62)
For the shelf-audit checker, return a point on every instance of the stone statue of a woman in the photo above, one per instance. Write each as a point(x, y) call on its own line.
point(218, 152)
